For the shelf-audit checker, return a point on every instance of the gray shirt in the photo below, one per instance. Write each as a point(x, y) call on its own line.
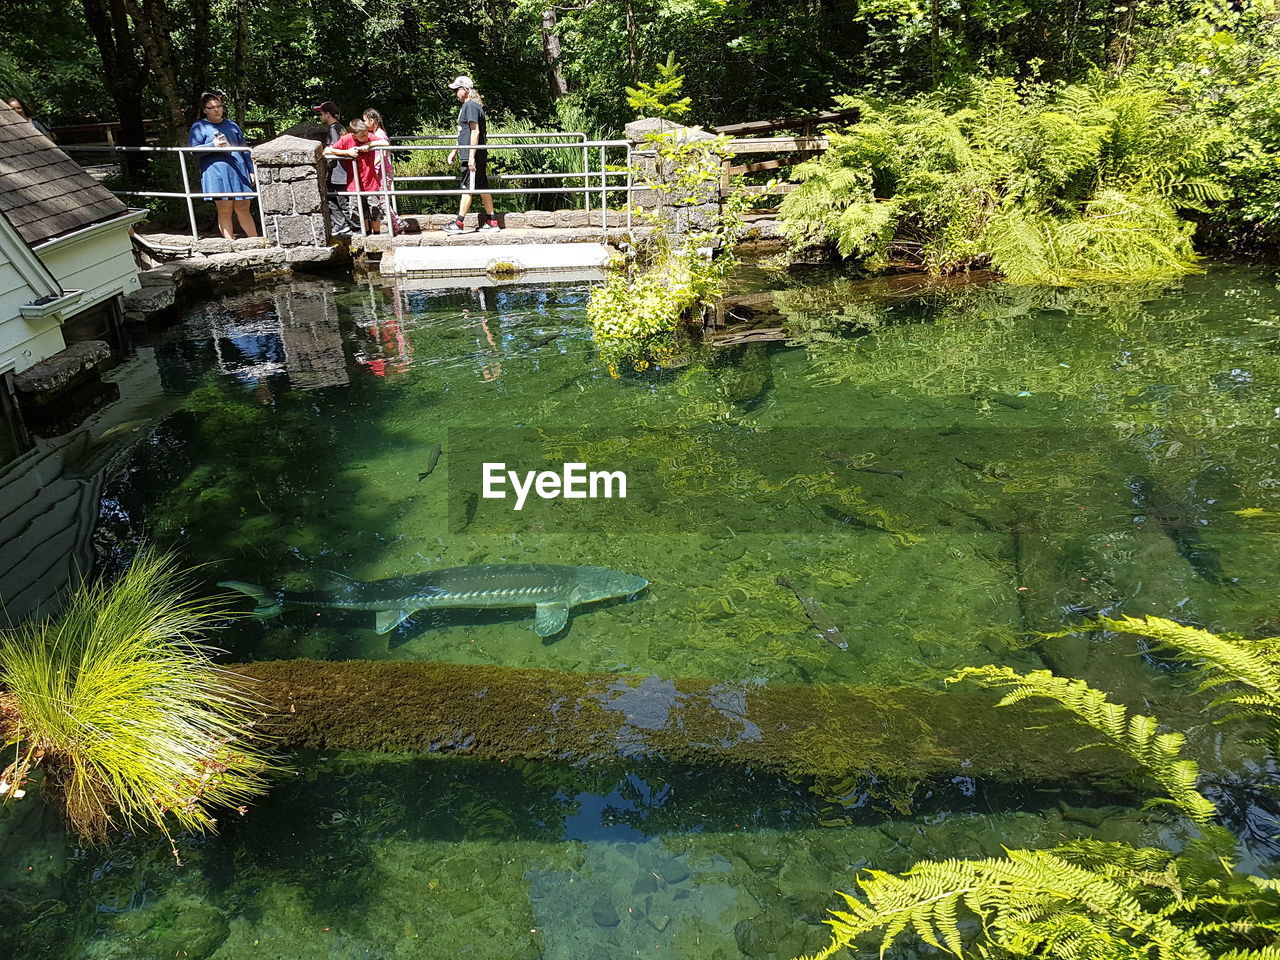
point(337, 172)
point(470, 113)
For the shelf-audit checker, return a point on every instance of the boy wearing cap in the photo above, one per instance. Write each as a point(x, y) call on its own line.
point(471, 133)
point(330, 116)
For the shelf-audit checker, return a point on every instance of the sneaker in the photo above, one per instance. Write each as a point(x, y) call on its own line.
point(454, 227)
point(490, 224)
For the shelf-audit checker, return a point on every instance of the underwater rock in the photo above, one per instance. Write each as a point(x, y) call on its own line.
point(763, 936)
point(673, 871)
point(604, 913)
point(761, 858)
point(805, 879)
point(659, 921)
point(645, 883)
point(175, 926)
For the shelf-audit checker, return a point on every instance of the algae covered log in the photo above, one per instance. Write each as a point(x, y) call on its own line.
point(502, 713)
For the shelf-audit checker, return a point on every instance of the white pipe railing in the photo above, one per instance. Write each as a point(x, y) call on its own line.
point(188, 195)
point(587, 189)
point(389, 191)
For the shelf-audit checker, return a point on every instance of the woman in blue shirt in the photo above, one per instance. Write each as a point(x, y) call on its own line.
point(224, 172)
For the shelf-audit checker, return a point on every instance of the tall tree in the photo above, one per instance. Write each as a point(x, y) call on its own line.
point(551, 55)
point(151, 21)
point(197, 55)
point(124, 70)
point(1120, 42)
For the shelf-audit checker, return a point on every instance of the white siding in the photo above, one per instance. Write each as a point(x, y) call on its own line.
point(101, 265)
point(22, 341)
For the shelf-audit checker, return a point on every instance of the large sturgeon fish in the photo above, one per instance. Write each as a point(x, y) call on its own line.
point(550, 589)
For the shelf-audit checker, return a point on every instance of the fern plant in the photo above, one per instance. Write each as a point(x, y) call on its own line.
point(1246, 673)
point(1090, 182)
point(1090, 900)
point(1136, 735)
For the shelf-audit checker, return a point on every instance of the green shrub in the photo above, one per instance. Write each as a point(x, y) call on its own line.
point(121, 707)
point(1093, 900)
point(1050, 185)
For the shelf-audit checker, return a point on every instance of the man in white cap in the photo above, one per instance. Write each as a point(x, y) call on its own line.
point(471, 134)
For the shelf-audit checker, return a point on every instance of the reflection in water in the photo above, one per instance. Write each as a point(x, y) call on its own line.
point(51, 497)
point(296, 333)
point(48, 508)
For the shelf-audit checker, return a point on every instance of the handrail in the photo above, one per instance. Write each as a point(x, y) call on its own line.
point(492, 136)
point(597, 178)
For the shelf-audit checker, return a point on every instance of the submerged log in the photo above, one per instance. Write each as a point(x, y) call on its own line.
point(902, 733)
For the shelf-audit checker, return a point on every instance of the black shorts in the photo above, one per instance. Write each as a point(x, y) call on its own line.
point(481, 177)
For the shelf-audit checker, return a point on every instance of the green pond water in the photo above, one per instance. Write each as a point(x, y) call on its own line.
point(1061, 454)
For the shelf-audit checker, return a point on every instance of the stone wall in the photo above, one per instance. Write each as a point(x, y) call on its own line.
point(291, 185)
point(678, 210)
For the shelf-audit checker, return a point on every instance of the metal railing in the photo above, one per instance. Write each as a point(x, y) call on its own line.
point(187, 193)
point(599, 179)
point(595, 179)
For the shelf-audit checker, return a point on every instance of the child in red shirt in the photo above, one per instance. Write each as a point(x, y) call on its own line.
point(355, 152)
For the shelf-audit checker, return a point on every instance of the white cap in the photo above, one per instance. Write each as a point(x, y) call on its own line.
point(462, 81)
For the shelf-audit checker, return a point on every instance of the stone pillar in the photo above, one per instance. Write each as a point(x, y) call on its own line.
point(291, 185)
point(678, 210)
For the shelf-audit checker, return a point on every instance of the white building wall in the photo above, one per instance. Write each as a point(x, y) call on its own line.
point(100, 264)
point(98, 261)
point(23, 342)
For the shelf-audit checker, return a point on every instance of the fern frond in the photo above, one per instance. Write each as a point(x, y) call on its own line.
point(1159, 754)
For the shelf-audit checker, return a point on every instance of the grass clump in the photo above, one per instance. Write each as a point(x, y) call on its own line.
point(119, 704)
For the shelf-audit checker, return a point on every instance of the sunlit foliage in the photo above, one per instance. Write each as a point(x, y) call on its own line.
point(119, 704)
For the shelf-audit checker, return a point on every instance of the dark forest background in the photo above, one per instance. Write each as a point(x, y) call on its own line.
point(87, 60)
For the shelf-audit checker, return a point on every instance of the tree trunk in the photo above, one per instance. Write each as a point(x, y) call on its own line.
point(124, 73)
point(633, 53)
point(551, 55)
point(198, 58)
point(238, 93)
point(1120, 43)
point(935, 34)
point(502, 713)
point(151, 21)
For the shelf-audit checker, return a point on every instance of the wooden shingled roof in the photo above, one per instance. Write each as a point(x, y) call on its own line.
point(43, 192)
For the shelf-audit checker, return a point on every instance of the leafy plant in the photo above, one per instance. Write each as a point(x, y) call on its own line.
point(635, 315)
point(1088, 899)
point(1084, 183)
point(1159, 754)
point(120, 705)
point(658, 99)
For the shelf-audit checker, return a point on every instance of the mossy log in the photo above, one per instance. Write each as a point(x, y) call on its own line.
point(902, 733)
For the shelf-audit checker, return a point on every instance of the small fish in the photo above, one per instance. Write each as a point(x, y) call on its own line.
point(1000, 399)
point(817, 616)
point(848, 462)
point(433, 457)
point(848, 520)
point(988, 471)
point(469, 510)
point(543, 341)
